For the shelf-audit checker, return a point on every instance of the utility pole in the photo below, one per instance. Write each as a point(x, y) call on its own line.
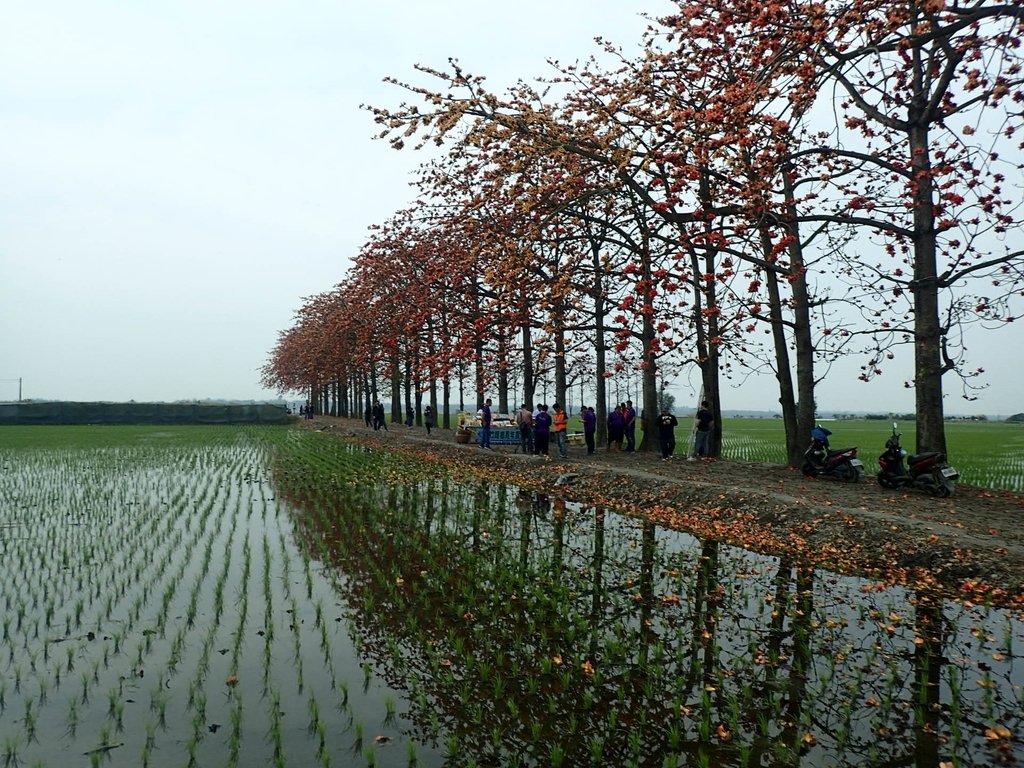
point(11, 381)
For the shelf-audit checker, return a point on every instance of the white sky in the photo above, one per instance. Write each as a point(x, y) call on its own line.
point(176, 177)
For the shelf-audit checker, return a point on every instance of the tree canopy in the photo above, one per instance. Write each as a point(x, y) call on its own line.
point(761, 187)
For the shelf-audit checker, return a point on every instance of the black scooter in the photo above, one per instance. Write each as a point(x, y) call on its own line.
point(927, 471)
point(820, 460)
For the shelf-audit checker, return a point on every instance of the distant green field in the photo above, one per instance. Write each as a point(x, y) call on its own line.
point(988, 454)
point(103, 435)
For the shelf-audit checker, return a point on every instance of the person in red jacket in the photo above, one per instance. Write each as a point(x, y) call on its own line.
point(561, 428)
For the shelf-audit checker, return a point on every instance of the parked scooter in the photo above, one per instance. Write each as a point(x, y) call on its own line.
point(820, 460)
point(928, 471)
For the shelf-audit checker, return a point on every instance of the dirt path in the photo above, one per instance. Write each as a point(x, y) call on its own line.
point(970, 546)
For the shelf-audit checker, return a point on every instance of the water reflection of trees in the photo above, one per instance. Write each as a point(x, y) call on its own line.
point(528, 628)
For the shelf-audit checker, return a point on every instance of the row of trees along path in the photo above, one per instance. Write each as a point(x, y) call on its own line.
point(762, 186)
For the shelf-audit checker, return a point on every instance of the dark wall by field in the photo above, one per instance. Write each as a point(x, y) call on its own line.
point(140, 413)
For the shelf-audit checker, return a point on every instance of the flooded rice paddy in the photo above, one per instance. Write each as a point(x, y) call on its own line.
point(264, 596)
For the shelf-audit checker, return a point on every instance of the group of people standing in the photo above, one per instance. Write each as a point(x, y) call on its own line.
point(667, 423)
point(374, 416)
point(537, 426)
point(428, 417)
point(622, 427)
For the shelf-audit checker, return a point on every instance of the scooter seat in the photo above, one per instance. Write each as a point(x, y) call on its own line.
point(837, 451)
point(918, 457)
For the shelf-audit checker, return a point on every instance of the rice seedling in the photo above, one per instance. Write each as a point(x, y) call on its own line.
point(30, 719)
point(161, 711)
point(11, 752)
point(456, 599)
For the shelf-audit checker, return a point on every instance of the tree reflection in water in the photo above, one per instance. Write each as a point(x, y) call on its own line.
point(537, 632)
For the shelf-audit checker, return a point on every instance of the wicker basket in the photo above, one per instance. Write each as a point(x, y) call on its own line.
point(463, 435)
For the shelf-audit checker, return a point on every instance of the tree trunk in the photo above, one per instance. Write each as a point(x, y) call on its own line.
point(396, 390)
point(559, 338)
point(705, 314)
point(478, 367)
point(462, 386)
point(408, 384)
point(529, 382)
point(802, 335)
point(783, 372)
point(446, 394)
point(649, 369)
point(600, 363)
point(502, 365)
point(707, 350)
point(931, 428)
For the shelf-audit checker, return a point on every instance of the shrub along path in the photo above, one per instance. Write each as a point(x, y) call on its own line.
point(970, 546)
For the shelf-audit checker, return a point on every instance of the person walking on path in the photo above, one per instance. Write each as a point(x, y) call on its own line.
point(368, 414)
point(485, 423)
point(589, 428)
point(561, 427)
point(379, 421)
point(428, 418)
point(667, 433)
point(541, 431)
point(616, 424)
point(630, 426)
point(410, 416)
point(703, 424)
point(524, 421)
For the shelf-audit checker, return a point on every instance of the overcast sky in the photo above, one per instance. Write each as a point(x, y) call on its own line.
point(176, 177)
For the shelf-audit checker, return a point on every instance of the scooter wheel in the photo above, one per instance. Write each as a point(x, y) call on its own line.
point(942, 491)
point(852, 475)
point(885, 482)
point(807, 469)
